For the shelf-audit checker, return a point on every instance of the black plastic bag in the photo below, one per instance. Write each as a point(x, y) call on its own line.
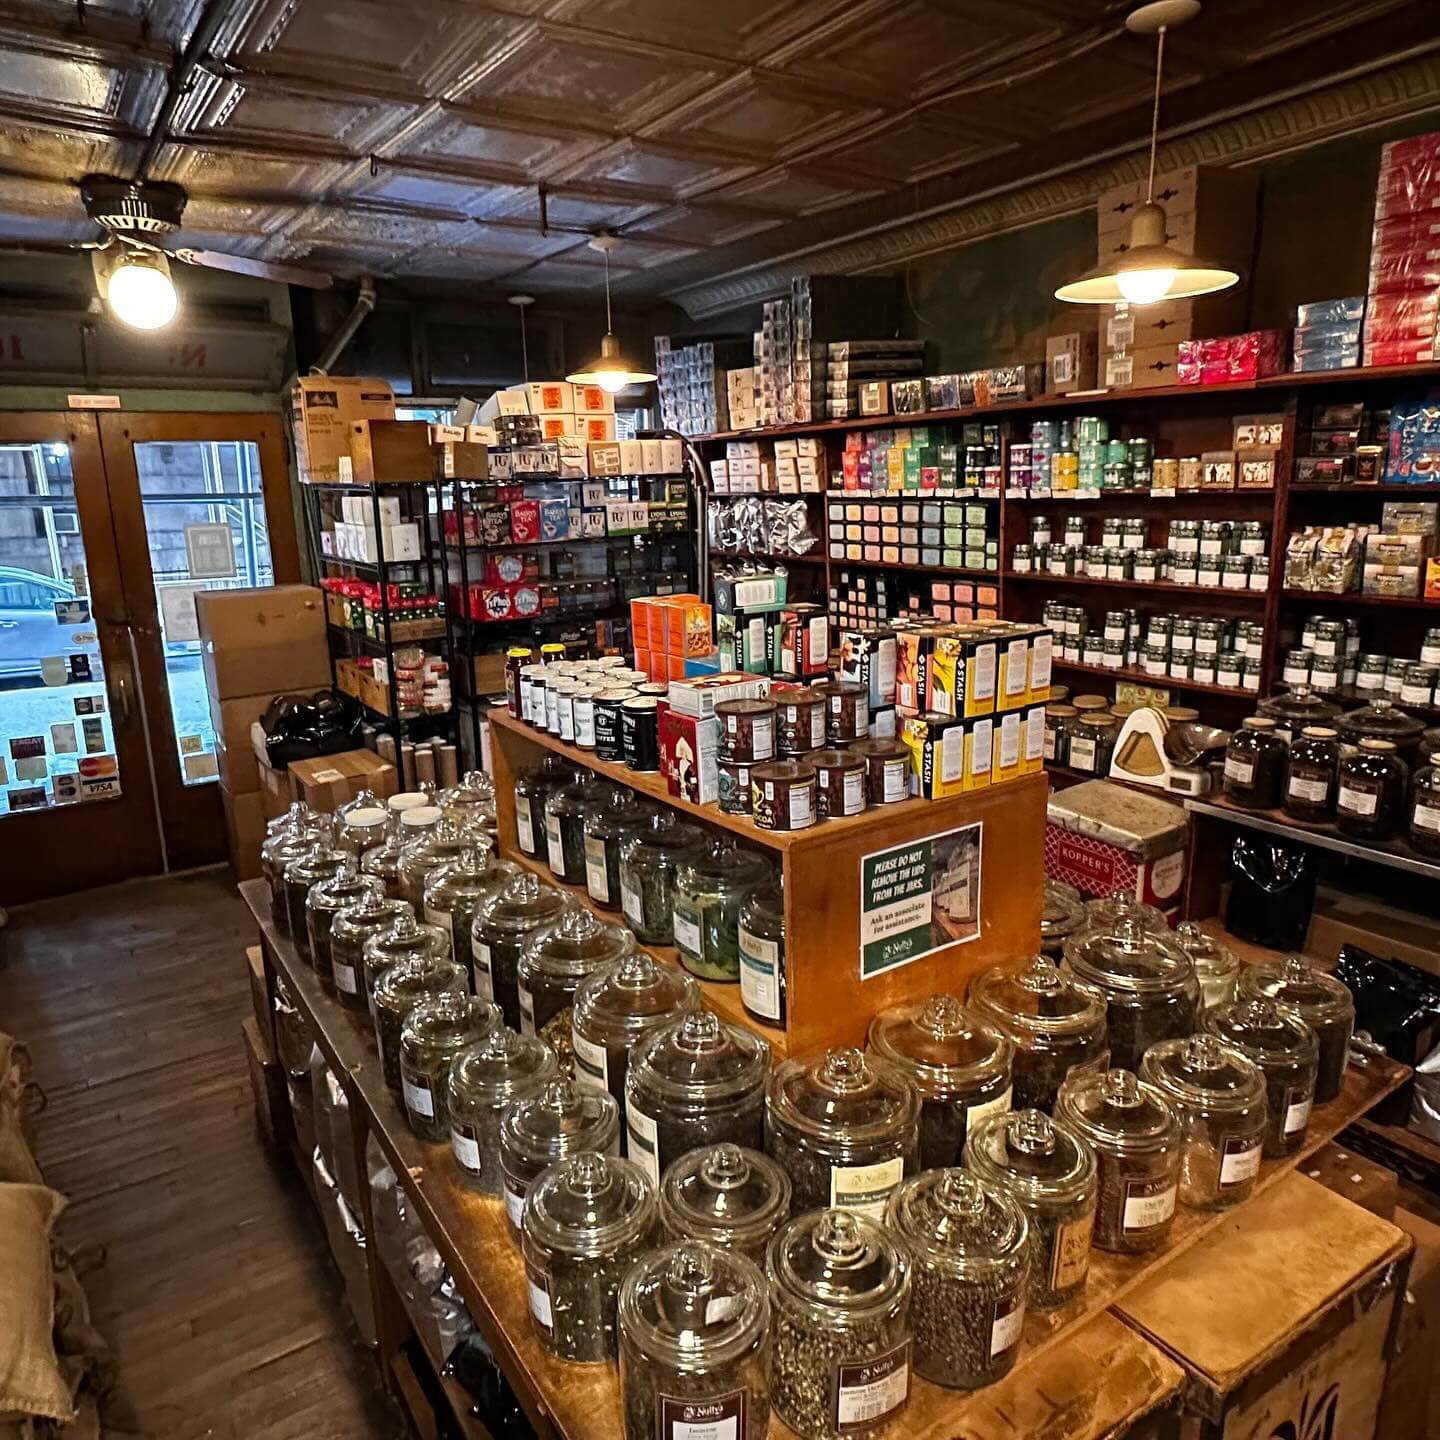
point(1396, 1004)
point(1272, 889)
point(299, 727)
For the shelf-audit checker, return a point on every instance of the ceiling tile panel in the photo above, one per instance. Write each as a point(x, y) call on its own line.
point(795, 191)
point(764, 116)
point(913, 149)
point(704, 225)
point(83, 87)
point(672, 171)
point(454, 137)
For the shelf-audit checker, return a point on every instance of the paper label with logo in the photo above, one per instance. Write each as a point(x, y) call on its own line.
point(484, 981)
point(1042, 654)
point(1315, 791)
point(687, 932)
point(1239, 1159)
point(1017, 667)
point(999, 1105)
point(553, 848)
point(802, 807)
point(1009, 742)
point(466, 1145)
point(865, 1188)
point(418, 1099)
point(1357, 802)
point(869, 1391)
point(1070, 1252)
point(514, 1204)
point(1427, 815)
point(592, 1063)
point(345, 977)
point(855, 793)
point(524, 825)
point(1297, 1111)
point(644, 1140)
point(720, 1417)
point(1148, 1204)
point(759, 975)
point(527, 1010)
point(597, 878)
point(1240, 770)
point(631, 903)
point(1006, 1324)
point(539, 1286)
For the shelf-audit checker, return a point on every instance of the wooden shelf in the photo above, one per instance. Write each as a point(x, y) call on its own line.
point(1206, 593)
point(1354, 597)
point(1388, 492)
point(762, 558)
point(1158, 682)
point(1097, 497)
point(991, 576)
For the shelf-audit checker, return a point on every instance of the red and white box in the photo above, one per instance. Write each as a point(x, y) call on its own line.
point(1103, 837)
point(689, 755)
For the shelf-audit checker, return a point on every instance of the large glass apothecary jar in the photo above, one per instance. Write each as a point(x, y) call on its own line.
point(1107, 911)
point(1136, 1139)
point(970, 1243)
point(457, 889)
point(299, 832)
point(433, 1034)
point(420, 858)
point(1324, 1003)
point(399, 989)
point(760, 938)
point(532, 787)
point(845, 1127)
point(405, 939)
point(607, 824)
point(552, 966)
point(485, 1078)
point(1062, 914)
point(840, 1327)
point(587, 1220)
point(649, 858)
point(694, 1357)
point(325, 901)
point(1217, 967)
point(725, 1195)
point(617, 1005)
point(958, 1064)
point(383, 861)
point(1218, 1095)
point(694, 1082)
point(1149, 985)
point(362, 823)
point(471, 800)
point(350, 931)
point(710, 887)
point(319, 863)
point(503, 925)
point(565, 810)
point(1055, 1023)
point(1051, 1173)
point(1287, 1052)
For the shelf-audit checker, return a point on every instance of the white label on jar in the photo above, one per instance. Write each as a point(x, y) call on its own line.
point(597, 878)
point(717, 1417)
point(762, 736)
point(1316, 791)
point(566, 712)
point(1070, 1253)
point(865, 1188)
point(817, 727)
point(802, 807)
point(466, 1148)
point(1427, 817)
point(687, 932)
point(1082, 753)
point(1049, 752)
point(1144, 1210)
point(539, 1286)
point(631, 903)
point(644, 1140)
point(1240, 1159)
point(854, 793)
point(514, 1204)
point(527, 1010)
point(871, 1390)
point(345, 978)
point(1005, 1328)
point(759, 972)
point(524, 825)
point(1009, 742)
point(894, 785)
point(1241, 771)
point(553, 846)
point(417, 1096)
point(1415, 694)
point(986, 1108)
point(1357, 802)
point(1017, 667)
point(585, 724)
point(592, 1063)
point(952, 755)
point(484, 982)
point(1297, 1114)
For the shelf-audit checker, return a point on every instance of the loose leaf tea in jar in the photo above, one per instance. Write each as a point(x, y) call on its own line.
point(325, 901)
point(1218, 1095)
point(608, 822)
point(565, 810)
point(363, 823)
point(694, 1082)
point(1107, 911)
point(485, 1078)
point(587, 1220)
point(710, 887)
point(433, 1034)
point(448, 841)
point(840, 1330)
point(1322, 1002)
point(725, 1195)
point(649, 858)
point(1050, 1171)
point(1287, 1052)
point(319, 863)
point(1217, 967)
point(299, 832)
point(1136, 1139)
point(455, 891)
point(503, 924)
point(970, 1242)
point(959, 1065)
point(694, 1321)
point(760, 937)
point(350, 930)
point(844, 1127)
point(1055, 1023)
point(406, 939)
point(398, 991)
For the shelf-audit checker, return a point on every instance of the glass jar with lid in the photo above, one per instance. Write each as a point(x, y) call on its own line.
point(565, 809)
point(588, 1219)
point(1136, 1138)
point(1092, 742)
point(607, 823)
point(560, 1121)
point(1148, 981)
point(1311, 774)
point(649, 858)
point(1255, 759)
point(320, 862)
point(1062, 914)
point(617, 1005)
point(1293, 709)
point(1218, 1095)
point(845, 1127)
point(1423, 827)
point(760, 940)
point(711, 883)
point(485, 1078)
point(1381, 719)
point(840, 1327)
point(1324, 1003)
point(471, 799)
point(432, 1035)
point(324, 902)
point(1050, 1172)
point(503, 925)
point(406, 939)
point(417, 822)
point(1369, 793)
point(694, 1081)
point(383, 861)
point(362, 823)
point(455, 892)
point(725, 1195)
point(971, 1246)
point(532, 787)
point(694, 1360)
point(420, 858)
point(1054, 1022)
point(1287, 1052)
point(1058, 717)
point(300, 832)
point(553, 963)
point(1109, 910)
point(398, 990)
point(958, 1064)
point(1217, 967)
point(350, 931)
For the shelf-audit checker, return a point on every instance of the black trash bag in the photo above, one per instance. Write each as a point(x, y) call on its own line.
point(1396, 1004)
point(1272, 889)
point(299, 727)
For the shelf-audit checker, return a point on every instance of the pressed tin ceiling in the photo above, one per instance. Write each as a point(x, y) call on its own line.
point(357, 136)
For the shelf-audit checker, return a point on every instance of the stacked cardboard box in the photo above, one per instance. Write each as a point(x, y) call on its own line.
point(562, 410)
point(256, 644)
point(323, 411)
point(1404, 290)
point(672, 636)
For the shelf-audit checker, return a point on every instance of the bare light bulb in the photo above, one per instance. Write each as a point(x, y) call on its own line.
point(611, 383)
point(142, 295)
point(1145, 287)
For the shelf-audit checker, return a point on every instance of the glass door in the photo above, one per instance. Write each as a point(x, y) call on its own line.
point(77, 801)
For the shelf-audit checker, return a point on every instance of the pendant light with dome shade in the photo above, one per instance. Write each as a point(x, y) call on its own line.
point(1150, 270)
point(610, 370)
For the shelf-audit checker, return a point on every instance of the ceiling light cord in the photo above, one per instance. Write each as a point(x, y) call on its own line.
point(1155, 113)
point(609, 323)
point(524, 347)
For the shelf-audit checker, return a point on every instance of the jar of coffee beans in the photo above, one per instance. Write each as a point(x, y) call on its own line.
point(486, 1078)
point(725, 1195)
point(1287, 1052)
point(1324, 1003)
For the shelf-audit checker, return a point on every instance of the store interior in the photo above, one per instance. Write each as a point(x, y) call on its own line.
point(720, 723)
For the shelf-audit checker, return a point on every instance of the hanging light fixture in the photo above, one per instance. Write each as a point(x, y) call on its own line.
point(135, 283)
point(522, 303)
point(609, 370)
point(1150, 270)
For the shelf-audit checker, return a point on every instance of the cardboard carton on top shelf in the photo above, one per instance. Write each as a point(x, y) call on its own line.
point(329, 781)
point(389, 452)
point(322, 409)
point(263, 641)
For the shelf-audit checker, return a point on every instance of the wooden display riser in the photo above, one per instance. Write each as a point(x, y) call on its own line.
point(471, 1233)
point(829, 1002)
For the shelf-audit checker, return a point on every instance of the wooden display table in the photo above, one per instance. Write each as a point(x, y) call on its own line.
point(562, 1399)
point(830, 1002)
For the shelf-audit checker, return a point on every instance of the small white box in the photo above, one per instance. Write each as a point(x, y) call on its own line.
point(572, 458)
point(719, 477)
point(557, 426)
point(550, 397)
point(651, 458)
point(592, 494)
point(593, 400)
point(482, 435)
point(810, 446)
point(672, 455)
point(592, 523)
point(447, 434)
point(598, 428)
point(786, 449)
point(505, 402)
point(632, 458)
point(402, 542)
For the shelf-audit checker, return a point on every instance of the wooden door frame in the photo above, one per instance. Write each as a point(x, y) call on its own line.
point(194, 824)
point(73, 847)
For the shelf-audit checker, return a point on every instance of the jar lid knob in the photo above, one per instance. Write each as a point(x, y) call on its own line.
point(1121, 1089)
point(941, 1015)
point(1296, 967)
point(1203, 1052)
point(1041, 975)
point(843, 1071)
point(837, 1236)
point(1189, 933)
point(560, 1096)
point(699, 1030)
point(1033, 1133)
point(635, 968)
point(959, 1195)
point(587, 1174)
point(577, 923)
point(725, 1167)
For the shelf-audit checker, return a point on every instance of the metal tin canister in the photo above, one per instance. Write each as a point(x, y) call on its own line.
point(783, 795)
point(840, 782)
point(640, 732)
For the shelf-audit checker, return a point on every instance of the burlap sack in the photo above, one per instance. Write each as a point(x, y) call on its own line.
point(30, 1379)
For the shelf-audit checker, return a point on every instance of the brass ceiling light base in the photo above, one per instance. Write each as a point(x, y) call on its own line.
point(609, 370)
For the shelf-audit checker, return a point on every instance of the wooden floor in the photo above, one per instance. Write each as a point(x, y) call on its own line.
point(218, 1294)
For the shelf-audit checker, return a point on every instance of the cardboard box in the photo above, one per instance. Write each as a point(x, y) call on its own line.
point(1149, 368)
point(1410, 1407)
point(322, 410)
point(1283, 1318)
point(1071, 362)
point(1339, 919)
point(389, 452)
point(267, 1085)
point(260, 994)
point(330, 781)
point(263, 641)
point(234, 757)
point(1362, 1182)
point(275, 793)
point(462, 460)
point(550, 397)
point(689, 751)
point(244, 831)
